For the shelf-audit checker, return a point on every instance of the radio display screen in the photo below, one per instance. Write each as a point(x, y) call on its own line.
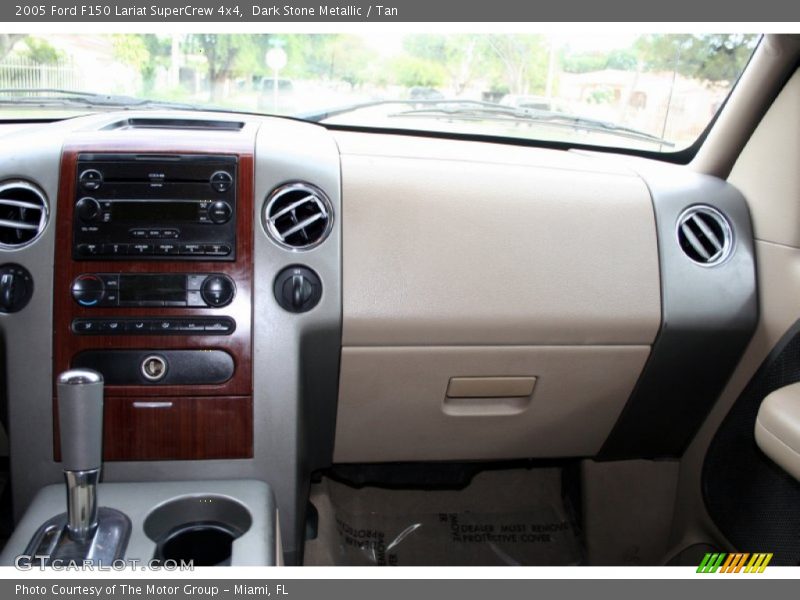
point(154, 212)
point(152, 288)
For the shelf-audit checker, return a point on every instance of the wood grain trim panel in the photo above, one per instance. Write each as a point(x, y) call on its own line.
point(191, 442)
point(198, 427)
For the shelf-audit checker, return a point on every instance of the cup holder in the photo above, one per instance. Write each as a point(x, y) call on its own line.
point(200, 529)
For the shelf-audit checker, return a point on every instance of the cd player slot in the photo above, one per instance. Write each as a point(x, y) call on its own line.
point(189, 202)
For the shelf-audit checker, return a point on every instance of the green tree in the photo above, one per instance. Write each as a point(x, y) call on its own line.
point(41, 51)
point(585, 62)
point(711, 57)
point(221, 52)
point(349, 59)
point(8, 41)
point(521, 59)
point(410, 71)
point(309, 55)
point(456, 57)
point(145, 51)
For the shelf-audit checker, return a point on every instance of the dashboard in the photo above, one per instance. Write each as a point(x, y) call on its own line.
point(266, 298)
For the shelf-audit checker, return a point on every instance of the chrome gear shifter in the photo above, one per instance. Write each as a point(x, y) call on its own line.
point(80, 420)
point(84, 531)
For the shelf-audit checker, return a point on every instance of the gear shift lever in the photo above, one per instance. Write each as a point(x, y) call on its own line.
point(80, 411)
point(84, 531)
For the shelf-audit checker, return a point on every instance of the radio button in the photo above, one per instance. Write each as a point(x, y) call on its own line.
point(141, 249)
point(154, 234)
point(217, 250)
point(115, 249)
point(139, 233)
point(167, 249)
point(220, 212)
point(88, 249)
point(191, 249)
point(170, 234)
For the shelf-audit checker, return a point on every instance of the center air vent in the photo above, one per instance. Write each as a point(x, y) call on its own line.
point(23, 213)
point(298, 216)
point(705, 235)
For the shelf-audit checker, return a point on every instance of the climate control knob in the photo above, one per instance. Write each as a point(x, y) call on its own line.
point(88, 209)
point(88, 290)
point(217, 290)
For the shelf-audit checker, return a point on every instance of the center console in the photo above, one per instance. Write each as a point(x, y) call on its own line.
point(153, 289)
point(195, 264)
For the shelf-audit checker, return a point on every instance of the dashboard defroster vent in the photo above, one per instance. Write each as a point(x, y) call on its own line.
point(298, 216)
point(23, 213)
point(705, 235)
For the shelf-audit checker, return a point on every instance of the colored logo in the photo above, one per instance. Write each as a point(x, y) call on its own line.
point(734, 563)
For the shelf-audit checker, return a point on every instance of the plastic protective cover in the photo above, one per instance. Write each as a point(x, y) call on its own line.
point(515, 517)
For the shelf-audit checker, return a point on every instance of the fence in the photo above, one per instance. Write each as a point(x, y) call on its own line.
point(23, 73)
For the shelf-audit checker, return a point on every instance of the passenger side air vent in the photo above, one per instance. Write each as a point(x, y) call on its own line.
point(298, 216)
point(23, 213)
point(705, 235)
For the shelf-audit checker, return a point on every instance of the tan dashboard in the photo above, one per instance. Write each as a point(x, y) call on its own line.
point(488, 265)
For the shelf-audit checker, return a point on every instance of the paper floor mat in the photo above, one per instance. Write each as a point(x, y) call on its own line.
point(488, 523)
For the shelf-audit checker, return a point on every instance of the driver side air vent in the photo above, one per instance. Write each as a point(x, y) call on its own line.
point(298, 216)
point(705, 235)
point(23, 213)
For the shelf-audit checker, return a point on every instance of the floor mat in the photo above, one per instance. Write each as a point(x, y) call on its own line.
point(513, 517)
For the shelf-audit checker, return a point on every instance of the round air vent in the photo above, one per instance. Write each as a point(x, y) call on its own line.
point(705, 235)
point(298, 216)
point(23, 213)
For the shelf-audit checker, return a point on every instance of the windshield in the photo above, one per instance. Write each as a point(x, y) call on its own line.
point(653, 92)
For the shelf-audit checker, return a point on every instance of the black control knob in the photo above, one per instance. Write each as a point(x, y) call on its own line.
point(217, 290)
point(221, 181)
point(16, 288)
point(91, 180)
point(220, 212)
point(298, 289)
point(88, 210)
point(88, 290)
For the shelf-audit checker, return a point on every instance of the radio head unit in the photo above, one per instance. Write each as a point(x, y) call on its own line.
point(151, 207)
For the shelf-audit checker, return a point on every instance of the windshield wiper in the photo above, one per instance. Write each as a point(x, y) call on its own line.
point(51, 97)
point(475, 110)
